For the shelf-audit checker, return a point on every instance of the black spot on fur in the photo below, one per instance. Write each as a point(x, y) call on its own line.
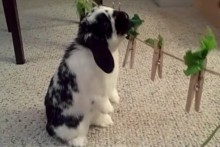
point(55, 118)
point(92, 102)
point(101, 28)
point(73, 121)
point(94, 36)
point(63, 97)
point(51, 82)
point(69, 50)
point(60, 97)
point(122, 23)
point(103, 25)
point(50, 130)
point(62, 92)
point(66, 78)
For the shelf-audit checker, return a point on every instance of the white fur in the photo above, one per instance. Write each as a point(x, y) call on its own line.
point(102, 120)
point(94, 86)
point(98, 10)
point(114, 98)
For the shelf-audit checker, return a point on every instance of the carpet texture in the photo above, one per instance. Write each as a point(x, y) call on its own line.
point(149, 114)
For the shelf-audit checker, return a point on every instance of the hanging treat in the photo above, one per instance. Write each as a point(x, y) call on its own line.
point(196, 63)
point(157, 60)
point(131, 36)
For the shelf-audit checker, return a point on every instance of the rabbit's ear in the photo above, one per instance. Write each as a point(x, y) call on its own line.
point(102, 55)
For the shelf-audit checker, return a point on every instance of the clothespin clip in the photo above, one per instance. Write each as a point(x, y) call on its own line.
point(119, 5)
point(157, 61)
point(131, 48)
point(195, 89)
point(113, 5)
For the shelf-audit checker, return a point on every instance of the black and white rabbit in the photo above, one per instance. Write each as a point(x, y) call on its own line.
point(80, 91)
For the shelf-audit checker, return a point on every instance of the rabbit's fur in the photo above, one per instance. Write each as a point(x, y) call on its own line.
point(81, 89)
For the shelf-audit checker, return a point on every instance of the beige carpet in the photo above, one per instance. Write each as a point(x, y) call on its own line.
point(150, 113)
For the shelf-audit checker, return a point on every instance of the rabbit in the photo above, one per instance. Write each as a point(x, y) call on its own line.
point(83, 88)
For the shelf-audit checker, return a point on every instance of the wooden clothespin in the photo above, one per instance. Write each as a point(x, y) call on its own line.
point(195, 89)
point(119, 6)
point(131, 48)
point(157, 61)
point(113, 4)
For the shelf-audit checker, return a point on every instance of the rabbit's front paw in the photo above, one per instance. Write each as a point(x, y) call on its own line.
point(78, 142)
point(102, 120)
point(114, 98)
point(106, 107)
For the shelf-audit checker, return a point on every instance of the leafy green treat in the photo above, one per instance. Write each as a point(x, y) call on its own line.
point(208, 41)
point(195, 60)
point(135, 21)
point(83, 6)
point(133, 33)
point(151, 41)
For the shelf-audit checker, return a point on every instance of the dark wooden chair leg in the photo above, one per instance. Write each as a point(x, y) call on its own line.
point(6, 10)
point(13, 17)
point(99, 2)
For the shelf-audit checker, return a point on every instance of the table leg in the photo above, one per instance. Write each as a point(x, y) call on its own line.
point(14, 25)
point(6, 10)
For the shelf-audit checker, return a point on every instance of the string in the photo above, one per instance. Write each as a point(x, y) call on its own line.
point(181, 60)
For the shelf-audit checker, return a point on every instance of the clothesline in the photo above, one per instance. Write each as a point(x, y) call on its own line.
point(181, 60)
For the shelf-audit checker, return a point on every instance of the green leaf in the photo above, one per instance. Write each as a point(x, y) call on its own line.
point(133, 33)
point(150, 42)
point(83, 6)
point(195, 60)
point(192, 70)
point(135, 23)
point(208, 41)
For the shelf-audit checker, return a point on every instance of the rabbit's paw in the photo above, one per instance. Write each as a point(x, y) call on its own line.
point(106, 107)
point(78, 142)
point(102, 120)
point(114, 98)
